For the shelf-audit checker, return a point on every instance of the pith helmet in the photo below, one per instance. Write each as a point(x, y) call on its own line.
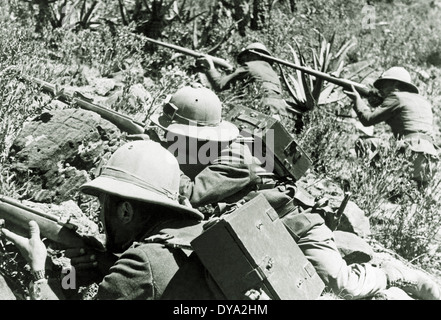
point(398, 74)
point(143, 171)
point(257, 46)
point(196, 112)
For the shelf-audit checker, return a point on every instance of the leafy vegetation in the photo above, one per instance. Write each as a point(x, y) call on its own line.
point(61, 39)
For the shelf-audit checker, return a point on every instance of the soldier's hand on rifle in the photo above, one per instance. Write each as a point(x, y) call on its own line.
point(205, 62)
point(32, 249)
point(375, 99)
point(90, 265)
point(354, 95)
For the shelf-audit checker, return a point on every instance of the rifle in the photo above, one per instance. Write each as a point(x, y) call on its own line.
point(51, 226)
point(218, 61)
point(346, 84)
point(341, 209)
point(123, 122)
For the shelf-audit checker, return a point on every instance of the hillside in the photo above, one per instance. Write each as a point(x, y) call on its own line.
point(100, 48)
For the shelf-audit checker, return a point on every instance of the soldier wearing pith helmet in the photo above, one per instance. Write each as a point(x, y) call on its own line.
point(214, 164)
point(252, 68)
point(255, 46)
point(409, 116)
point(195, 112)
point(138, 189)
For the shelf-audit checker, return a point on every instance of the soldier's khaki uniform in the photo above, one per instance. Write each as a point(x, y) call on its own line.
point(152, 271)
point(258, 71)
point(410, 118)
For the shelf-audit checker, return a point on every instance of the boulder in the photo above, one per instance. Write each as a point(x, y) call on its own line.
point(352, 248)
point(354, 220)
point(58, 149)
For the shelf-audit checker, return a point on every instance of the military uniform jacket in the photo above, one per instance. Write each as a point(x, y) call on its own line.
point(259, 71)
point(409, 116)
point(234, 177)
point(228, 178)
point(153, 271)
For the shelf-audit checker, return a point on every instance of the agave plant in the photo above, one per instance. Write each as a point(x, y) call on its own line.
point(306, 90)
point(68, 14)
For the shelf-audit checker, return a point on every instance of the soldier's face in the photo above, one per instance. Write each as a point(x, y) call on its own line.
point(387, 87)
point(115, 234)
point(248, 56)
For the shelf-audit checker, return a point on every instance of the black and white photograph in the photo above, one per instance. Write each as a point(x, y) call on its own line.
point(220, 155)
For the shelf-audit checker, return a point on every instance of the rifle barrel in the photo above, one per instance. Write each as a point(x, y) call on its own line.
point(125, 123)
point(218, 61)
point(19, 217)
point(346, 84)
point(20, 205)
point(122, 121)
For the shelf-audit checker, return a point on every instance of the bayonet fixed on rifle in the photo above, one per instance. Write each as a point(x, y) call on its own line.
point(122, 121)
point(217, 61)
point(17, 215)
point(345, 83)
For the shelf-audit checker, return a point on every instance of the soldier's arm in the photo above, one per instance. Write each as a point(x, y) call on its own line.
point(232, 172)
point(385, 111)
point(217, 182)
point(34, 251)
point(217, 79)
point(221, 82)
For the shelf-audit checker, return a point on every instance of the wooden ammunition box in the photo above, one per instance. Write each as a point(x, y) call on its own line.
point(250, 248)
point(277, 143)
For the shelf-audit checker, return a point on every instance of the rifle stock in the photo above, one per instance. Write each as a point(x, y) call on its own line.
point(218, 61)
point(346, 84)
point(122, 121)
point(18, 216)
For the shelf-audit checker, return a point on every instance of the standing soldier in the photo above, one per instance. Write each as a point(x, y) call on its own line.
point(409, 116)
point(232, 175)
point(251, 68)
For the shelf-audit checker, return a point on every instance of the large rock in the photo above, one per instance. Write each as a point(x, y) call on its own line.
point(352, 248)
point(354, 220)
point(59, 148)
